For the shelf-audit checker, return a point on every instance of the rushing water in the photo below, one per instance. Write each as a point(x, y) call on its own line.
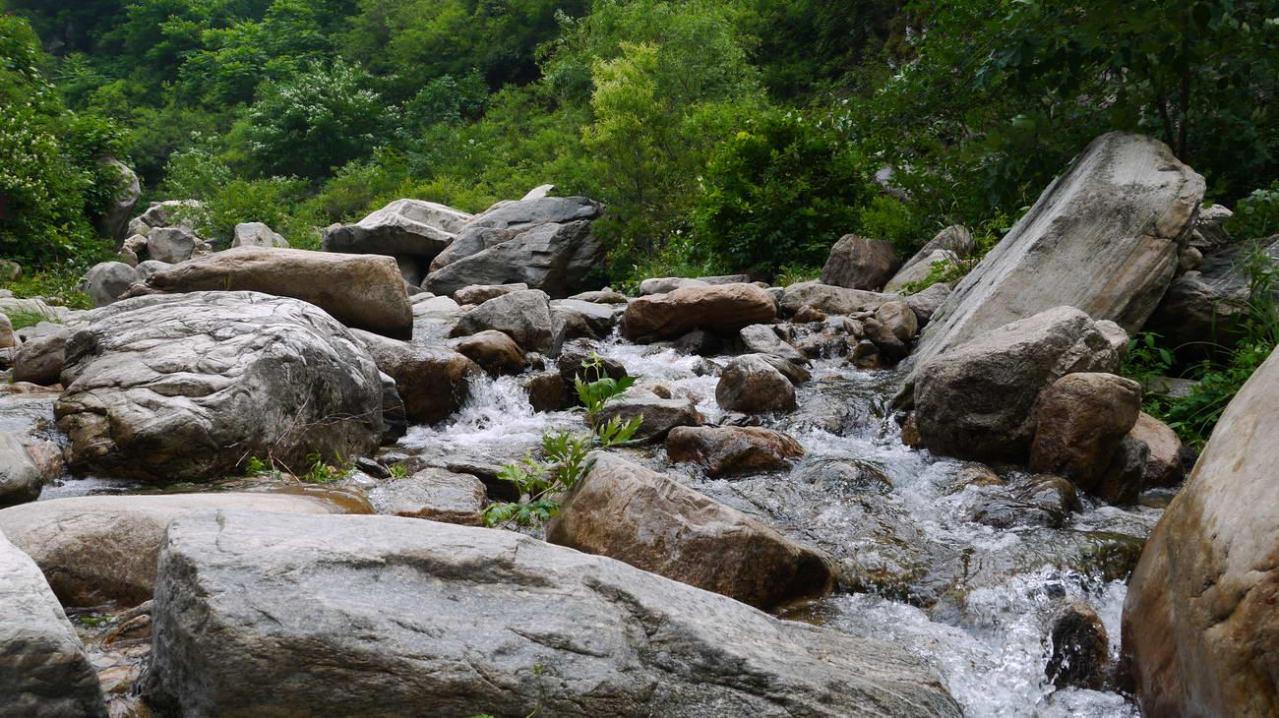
point(984, 631)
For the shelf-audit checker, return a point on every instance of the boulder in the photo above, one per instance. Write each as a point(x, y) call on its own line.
point(524, 316)
point(724, 309)
point(574, 318)
point(1080, 655)
point(730, 450)
point(920, 270)
point(1200, 628)
point(471, 240)
point(480, 293)
point(1205, 311)
point(8, 339)
point(1210, 228)
point(40, 360)
point(103, 549)
point(636, 515)
point(662, 285)
point(403, 228)
point(44, 671)
point(533, 212)
point(559, 259)
point(21, 479)
point(1103, 238)
point(898, 320)
point(860, 263)
point(433, 494)
point(114, 220)
point(754, 385)
point(601, 296)
point(257, 234)
point(173, 244)
point(658, 416)
point(1163, 465)
point(926, 303)
point(170, 213)
point(830, 299)
point(763, 339)
point(352, 615)
point(150, 268)
point(976, 401)
point(361, 291)
point(547, 390)
point(1080, 421)
point(494, 351)
point(955, 239)
point(106, 281)
point(433, 382)
point(188, 387)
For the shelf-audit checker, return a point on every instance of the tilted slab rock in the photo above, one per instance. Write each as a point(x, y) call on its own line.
point(722, 308)
point(352, 615)
point(404, 227)
point(1103, 238)
point(559, 259)
point(44, 672)
point(1200, 625)
point(98, 549)
point(634, 514)
point(361, 291)
point(189, 386)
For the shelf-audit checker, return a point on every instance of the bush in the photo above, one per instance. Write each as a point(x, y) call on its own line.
point(780, 192)
point(1257, 215)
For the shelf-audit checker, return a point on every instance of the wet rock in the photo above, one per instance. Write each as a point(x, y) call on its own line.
point(361, 291)
point(763, 339)
point(20, 478)
point(845, 475)
point(1080, 655)
point(1039, 500)
point(577, 360)
point(494, 351)
point(257, 234)
point(433, 382)
point(809, 313)
point(1121, 482)
point(625, 511)
point(976, 401)
point(102, 549)
point(1080, 421)
point(573, 319)
point(732, 450)
point(1102, 238)
point(173, 244)
point(860, 263)
point(432, 494)
point(723, 309)
point(44, 670)
point(559, 259)
point(1199, 624)
point(1163, 465)
point(471, 621)
point(753, 385)
point(189, 386)
point(899, 320)
point(524, 316)
point(547, 390)
point(658, 415)
point(926, 303)
point(830, 299)
point(106, 281)
point(480, 293)
point(699, 342)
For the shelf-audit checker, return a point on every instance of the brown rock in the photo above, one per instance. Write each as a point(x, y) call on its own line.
point(1163, 460)
point(496, 352)
point(361, 291)
point(433, 494)
point(546, 390)
point(1080, 648)
point(727, 450)
point(1081, 420)
point(638, 516)
point(40, 360)
point(860, 263)
point(1200, 625)
point(480, 293)
point(754, 385)
point(723, 308)
point(433, 383)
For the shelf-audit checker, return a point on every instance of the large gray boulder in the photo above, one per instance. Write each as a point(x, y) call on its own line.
point(351, 615)
point(413, 231)
point(1200, 627)
point(257, 234)
point(189, 386)
point(106, 281)
point(634, 514)
point(114, 220)
point(361, 291)
point(95, 550)
point(860, 263)
point(537, 211)
point(21, 479)
point(1103, 238)
point(976, 401)
point(44, 671)
point(524, 316)
point(558, 259)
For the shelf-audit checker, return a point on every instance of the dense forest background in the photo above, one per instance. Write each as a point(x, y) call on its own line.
point(723, 135)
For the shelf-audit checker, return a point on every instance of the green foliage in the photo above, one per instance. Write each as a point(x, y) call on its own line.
point(780, 191)
point(1257, 215)
point(597, 388)
point(888, 218)
point(398, 471)
point(795, 273)
point(942, 271)
point(57, 283)
point(317, 469)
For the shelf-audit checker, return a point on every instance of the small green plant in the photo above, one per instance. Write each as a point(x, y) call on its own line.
point(1257, 215)
point(318, 471)
point(796, 273)
point(563, 462)
point(398, 471)
point(941, 271)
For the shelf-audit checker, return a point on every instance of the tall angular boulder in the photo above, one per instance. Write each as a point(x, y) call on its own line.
point(411, 230)
point(1201, 622)
point(1103, 238)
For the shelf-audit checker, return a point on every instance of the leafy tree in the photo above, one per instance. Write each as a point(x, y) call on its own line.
point(322, 118)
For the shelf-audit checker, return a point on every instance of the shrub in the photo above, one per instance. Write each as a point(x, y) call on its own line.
point(1257, 215)
point(780, 192)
